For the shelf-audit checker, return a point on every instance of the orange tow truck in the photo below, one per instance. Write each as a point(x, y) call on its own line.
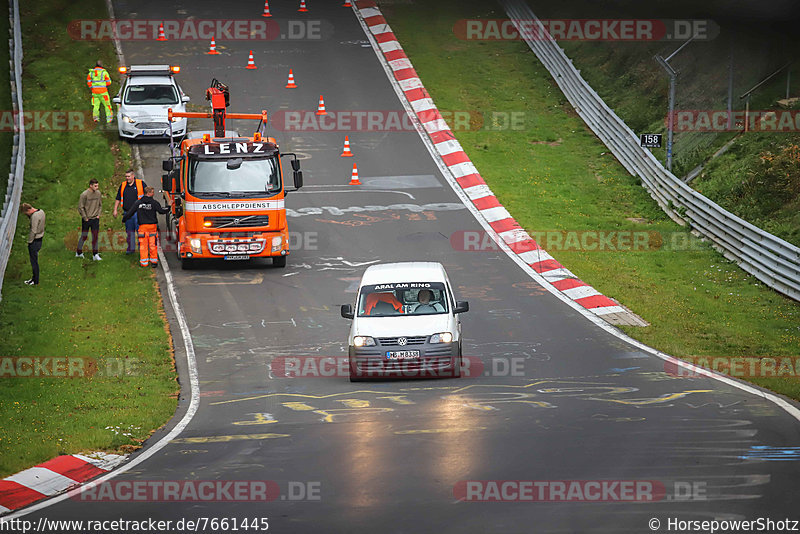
point(227, 192)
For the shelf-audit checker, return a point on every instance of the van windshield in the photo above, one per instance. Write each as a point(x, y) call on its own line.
point(402, 299)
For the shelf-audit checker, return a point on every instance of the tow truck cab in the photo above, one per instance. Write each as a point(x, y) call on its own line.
point(227, 198)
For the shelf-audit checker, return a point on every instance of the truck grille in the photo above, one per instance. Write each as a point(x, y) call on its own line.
point(238, 222)
point(236, 247)
point(410, 340)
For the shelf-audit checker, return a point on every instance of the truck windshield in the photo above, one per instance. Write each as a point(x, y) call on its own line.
point(254, 176)
point(151, 94)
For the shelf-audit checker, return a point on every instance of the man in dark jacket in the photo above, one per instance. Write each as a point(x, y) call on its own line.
point(147, 209)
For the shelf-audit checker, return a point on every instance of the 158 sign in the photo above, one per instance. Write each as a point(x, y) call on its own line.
point(650, 140)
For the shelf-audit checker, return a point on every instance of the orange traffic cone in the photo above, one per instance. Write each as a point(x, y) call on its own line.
point(354, 177)
point(290, 84)
point(321, 108)
point(161, 36)
point(251, 64)
point(266, 12)
point(303, 7)
point(347, 4)
point(347, 153)
point(213, 50)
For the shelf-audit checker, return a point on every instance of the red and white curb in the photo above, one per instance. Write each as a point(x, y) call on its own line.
point(53, 477)
point(473, 185)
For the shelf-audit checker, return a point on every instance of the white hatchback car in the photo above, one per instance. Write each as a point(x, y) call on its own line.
point(405, 323)
point(143, 100)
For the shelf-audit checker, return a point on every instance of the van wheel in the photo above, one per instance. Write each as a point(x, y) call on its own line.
point(279, 261)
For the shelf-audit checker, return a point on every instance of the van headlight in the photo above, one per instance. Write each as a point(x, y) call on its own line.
point(128, 119)
point(194, 243)
point(443, 337)
point(363, 341)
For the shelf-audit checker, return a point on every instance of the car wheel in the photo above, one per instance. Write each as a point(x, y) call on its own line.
point(279, 261)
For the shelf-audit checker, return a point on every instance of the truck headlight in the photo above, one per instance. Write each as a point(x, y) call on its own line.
point(195, 245)
point(128, 119)
point(277, 242)
point(363, 341)
point(443, 337)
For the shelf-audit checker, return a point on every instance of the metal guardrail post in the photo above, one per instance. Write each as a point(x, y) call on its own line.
point(8, 217)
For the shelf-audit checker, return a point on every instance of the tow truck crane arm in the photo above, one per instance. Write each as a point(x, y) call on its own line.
point(220, 99)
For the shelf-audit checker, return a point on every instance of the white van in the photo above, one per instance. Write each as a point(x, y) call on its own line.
point(405, 323)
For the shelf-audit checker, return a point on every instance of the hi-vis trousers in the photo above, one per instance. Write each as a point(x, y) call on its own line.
point(148, 244)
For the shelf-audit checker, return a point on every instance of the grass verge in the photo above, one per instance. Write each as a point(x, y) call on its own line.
point(107, 312)
point(552, 173)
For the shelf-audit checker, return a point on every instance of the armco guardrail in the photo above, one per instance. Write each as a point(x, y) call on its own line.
point(8, 217)
point(772, 260)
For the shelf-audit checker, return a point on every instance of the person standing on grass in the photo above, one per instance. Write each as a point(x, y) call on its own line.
point(35, 236)
point(131, 190)
point(148, 209)
point(89, 206)
point(98, 81)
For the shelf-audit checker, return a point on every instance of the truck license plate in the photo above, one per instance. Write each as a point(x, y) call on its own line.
point(234, 257)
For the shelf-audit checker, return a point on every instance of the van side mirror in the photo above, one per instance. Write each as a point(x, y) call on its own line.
point(117, 100)
point(462, 306)
point(347, 311)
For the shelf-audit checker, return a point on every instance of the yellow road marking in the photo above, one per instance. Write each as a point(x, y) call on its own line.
point(298, 406)
point(662, 398)
point(440, 430)
point(222, 439)
point(398, 399)
point(300, 395)
point(260, 419)
point(355, 403)
point(328, 415)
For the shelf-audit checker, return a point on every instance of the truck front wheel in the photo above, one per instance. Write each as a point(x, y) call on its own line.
point(279, 261)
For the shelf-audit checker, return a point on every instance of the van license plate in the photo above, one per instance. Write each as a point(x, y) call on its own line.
point(402, 355)
point(152, 132)
point(238, 257)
